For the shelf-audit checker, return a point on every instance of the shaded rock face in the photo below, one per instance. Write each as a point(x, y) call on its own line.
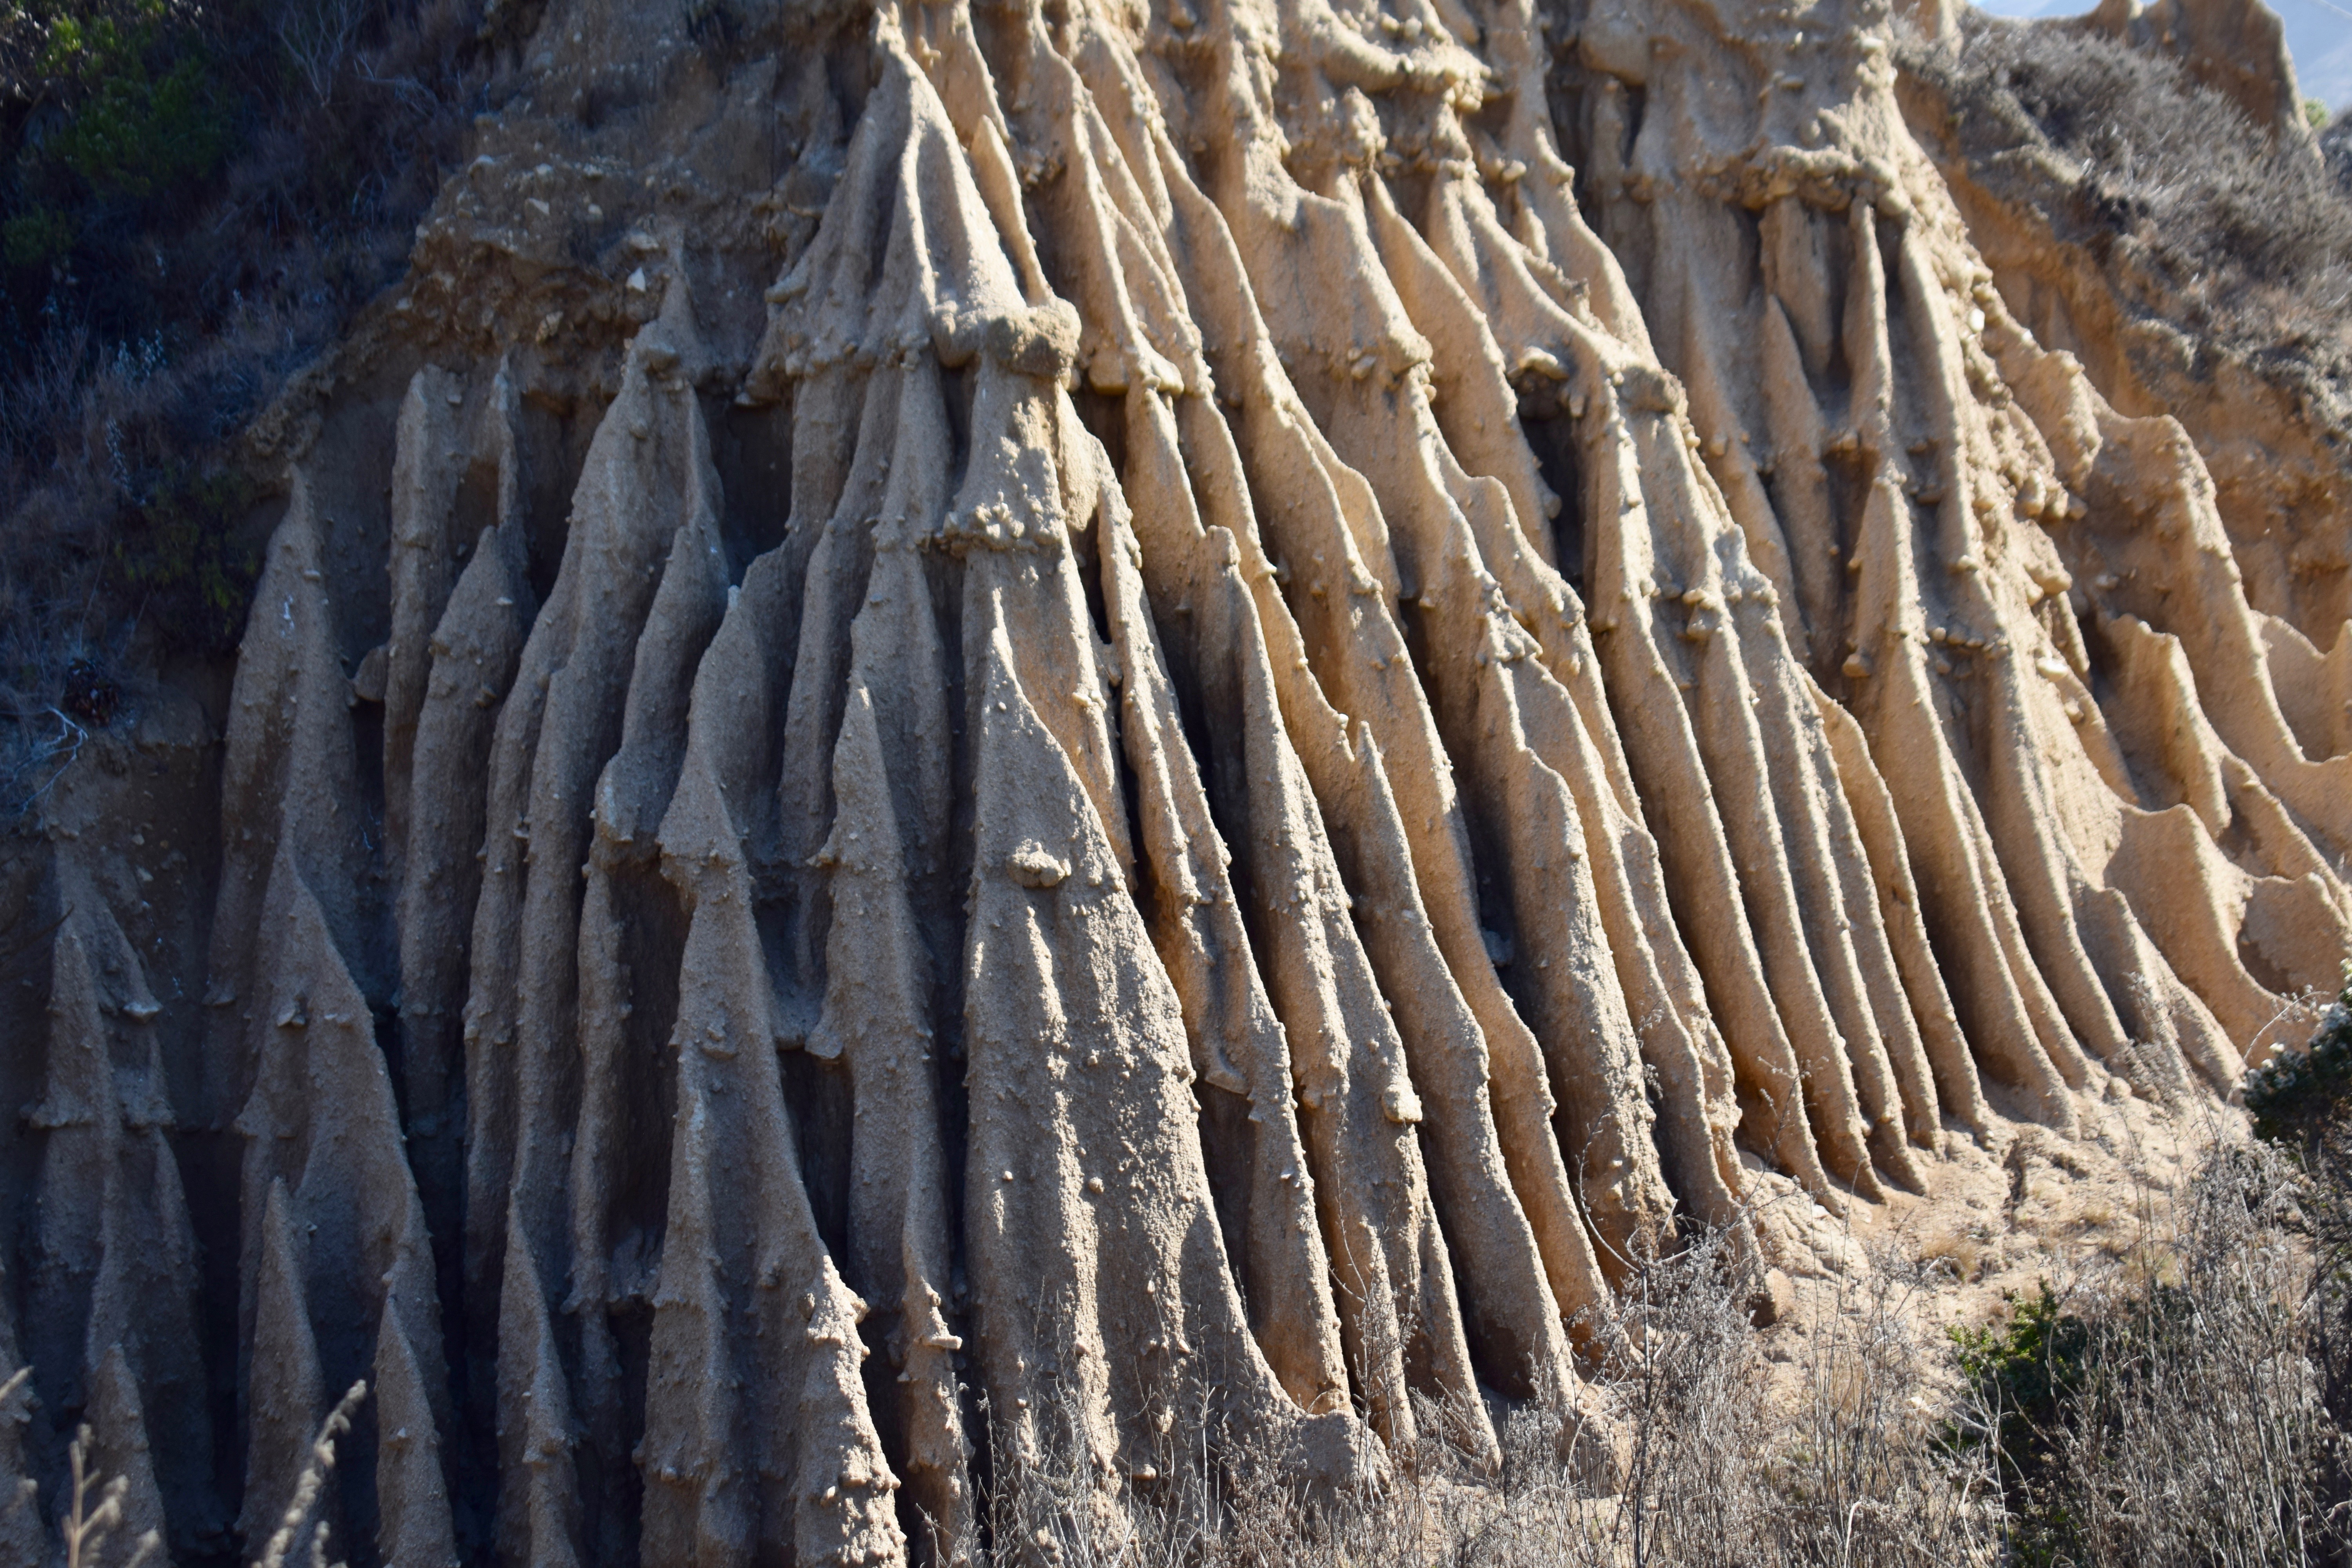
point(984, 735)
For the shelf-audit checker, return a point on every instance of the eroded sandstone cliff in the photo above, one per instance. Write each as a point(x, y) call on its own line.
point(984, 730)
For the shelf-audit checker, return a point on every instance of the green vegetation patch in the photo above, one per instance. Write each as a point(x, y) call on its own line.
point(2298, 1098)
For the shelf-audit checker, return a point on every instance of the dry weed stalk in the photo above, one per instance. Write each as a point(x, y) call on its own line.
point(1837, 1460)
point(2198, 1433)
point(25, 1496)
point(1705, 1456)
point(314, 1479)
point(85, 1528)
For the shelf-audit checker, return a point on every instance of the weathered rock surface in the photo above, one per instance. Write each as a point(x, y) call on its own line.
point(988, 735)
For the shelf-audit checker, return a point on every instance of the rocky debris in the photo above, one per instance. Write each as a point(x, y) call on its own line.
point(1061, 740)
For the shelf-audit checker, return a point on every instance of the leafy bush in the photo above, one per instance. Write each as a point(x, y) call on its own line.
point(147, 108)
point(2025, 1373)
point(120, 111)
point(2299, 1097)
point(176, 548)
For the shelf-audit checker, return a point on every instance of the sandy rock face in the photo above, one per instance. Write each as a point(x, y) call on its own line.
point(988, 736)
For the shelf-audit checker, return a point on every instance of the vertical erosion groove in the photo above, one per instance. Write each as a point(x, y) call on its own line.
point(1205, 889)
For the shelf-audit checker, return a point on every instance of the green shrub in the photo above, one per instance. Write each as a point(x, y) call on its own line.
point(131, 100)
point(195, 197)
point(2026, 1365)
point(2024, 1374)
point(177, 549)
point(40, 235)
point(2297, 1098)
point(2172, 1406)
point(138, 134)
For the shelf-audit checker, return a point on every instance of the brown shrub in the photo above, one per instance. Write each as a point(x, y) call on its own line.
point(2243, 240)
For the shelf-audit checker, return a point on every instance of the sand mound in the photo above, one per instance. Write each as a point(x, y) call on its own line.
point(1001, 732)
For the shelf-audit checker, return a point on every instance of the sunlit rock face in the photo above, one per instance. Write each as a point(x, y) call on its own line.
point(986, 736)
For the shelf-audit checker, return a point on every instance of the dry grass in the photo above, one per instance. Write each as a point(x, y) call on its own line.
point(2198, 1433)
point(1961, 1251)
point(93, 1509)
point(2176, 1399)
point(2164, 1407)
point(1710, 1444)
point(91, 1519)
